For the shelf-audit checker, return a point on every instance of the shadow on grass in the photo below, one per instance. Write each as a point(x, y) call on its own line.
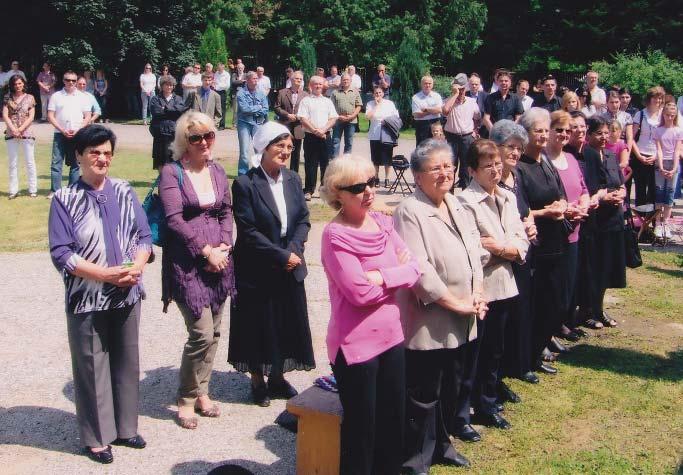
point(276, 439)
point(669, 272)
point(628, 362)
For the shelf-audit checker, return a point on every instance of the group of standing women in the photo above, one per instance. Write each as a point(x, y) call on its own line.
point(100, 241)
point(431, 309)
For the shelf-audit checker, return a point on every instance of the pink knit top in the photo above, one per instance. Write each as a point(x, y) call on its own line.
point(365, 319)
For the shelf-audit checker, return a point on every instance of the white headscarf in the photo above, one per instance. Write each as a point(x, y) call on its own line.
point(263, 136)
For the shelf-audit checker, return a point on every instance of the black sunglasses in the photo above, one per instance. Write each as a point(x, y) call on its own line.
point(70, 80)
point(196, 139)
point(359, 188)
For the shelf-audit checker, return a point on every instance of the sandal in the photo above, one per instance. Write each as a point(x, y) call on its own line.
point(592, 323)
point(213, 411)
point(607, 321)
point(187, 422)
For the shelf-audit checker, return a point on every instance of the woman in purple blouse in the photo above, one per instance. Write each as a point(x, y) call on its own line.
point(100, 242)
point(196, 269)
point(578, 202)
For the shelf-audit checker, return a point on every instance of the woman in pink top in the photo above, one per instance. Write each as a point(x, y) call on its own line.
point(366, 262)
point(578, 200)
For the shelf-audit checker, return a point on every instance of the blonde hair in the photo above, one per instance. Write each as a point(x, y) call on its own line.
point(615, 125)
point(567, 97)
point(187, 121)
point(559, 118)
point(343, 171)
point(669, 105)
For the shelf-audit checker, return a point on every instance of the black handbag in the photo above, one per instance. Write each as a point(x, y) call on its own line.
point(631, 248)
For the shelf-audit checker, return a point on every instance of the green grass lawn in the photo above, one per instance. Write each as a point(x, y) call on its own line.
point(615, 408)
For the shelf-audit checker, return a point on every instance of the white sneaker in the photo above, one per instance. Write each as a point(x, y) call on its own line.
point(658, 231)
point(667, 232)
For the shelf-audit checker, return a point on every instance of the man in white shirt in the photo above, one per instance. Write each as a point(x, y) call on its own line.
point(221, 84)
point(68, 111)
point(462, 121)
point(14, 69)
point(93, 105)
point(263, 83)
point(598, 96)
point(333, 81)
point(426, 106)
point(192, 80)
point(523, 94)
point(356, 82)
point(318, 115)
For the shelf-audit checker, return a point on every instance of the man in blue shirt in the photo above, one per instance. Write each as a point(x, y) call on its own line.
point(252, 111)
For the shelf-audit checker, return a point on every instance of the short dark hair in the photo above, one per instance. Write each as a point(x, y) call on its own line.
point(480, 149)
point(548, 77)
point(93, 135)
point(69, 71)
point(596, 123)
point(575, 114)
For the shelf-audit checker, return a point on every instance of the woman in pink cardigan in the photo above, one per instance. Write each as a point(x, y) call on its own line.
point(366, 262)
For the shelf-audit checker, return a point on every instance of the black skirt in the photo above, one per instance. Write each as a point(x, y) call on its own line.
point(269, 328)
point(161, 153)
point(611, 260)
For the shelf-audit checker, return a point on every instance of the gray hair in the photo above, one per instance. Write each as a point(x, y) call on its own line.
point(298, 72)
point(250, 74)
point(533, 116)
point(346, 75)
point(505, 129)
point(424, 151)
point(167, 80)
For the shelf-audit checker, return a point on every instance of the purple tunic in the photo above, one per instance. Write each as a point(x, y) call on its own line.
point(192, 227)
point(107, 228)
point(574, 187)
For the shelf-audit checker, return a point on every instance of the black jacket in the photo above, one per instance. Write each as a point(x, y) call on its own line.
point(260, 252)
point(165, 113)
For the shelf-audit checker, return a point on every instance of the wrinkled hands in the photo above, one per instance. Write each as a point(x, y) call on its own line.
point(293, 261)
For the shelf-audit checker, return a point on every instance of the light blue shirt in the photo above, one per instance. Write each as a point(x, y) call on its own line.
point(92, 103)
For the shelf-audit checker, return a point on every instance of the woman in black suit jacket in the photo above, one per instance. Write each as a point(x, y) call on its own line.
point(165, 108)
point(269, 332)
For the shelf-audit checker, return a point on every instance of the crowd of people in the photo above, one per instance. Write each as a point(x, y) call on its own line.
point(432, 304)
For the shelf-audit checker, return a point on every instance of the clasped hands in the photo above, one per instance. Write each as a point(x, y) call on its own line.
point(122, 276)
point(217, 260)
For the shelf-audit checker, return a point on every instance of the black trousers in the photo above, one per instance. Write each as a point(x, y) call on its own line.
point(372, 395)
point(460, 144)
point(491, 350)
point(423, 130)
point(644, 179)
point(549, 297)
point(224, 95)
point(316, 153)
point(459, 415)
point(428, 377)
point(517, 350)
point(572, 274)
point(296, 155)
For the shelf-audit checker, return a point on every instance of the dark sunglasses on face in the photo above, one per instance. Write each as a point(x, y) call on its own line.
point(359, 188)
point(560, 130)
point(196, 139)
point(70, 80)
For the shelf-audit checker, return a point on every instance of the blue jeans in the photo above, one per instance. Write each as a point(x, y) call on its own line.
point(346, 128)
point(144, 99)
point(63, 150)
point(245, 132)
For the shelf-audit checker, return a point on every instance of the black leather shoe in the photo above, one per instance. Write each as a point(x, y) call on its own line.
point(557, 347)
point(281, 390)
point(530, 377)
point(567, 334)
point(259, 395)
point(546, 368)
point(494, 420)
point(105, 456)
point(455, 460)
point(467, 433)
point(500, 407)
point(136, 442)
point(579, 332)
point(507, 394)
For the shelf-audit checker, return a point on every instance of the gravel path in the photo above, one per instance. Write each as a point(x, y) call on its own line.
point(37, 414)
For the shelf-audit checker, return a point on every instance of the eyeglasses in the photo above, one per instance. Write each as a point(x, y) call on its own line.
point(448, 169)
point(97, 153)
point(561, 130)
point(70, 80)
point(359, 188)
point(512, 148)
point(493, 166)
point(196, 139)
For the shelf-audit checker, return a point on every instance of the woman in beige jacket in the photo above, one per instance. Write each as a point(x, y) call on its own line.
point(439, 314)
point(504, 241)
